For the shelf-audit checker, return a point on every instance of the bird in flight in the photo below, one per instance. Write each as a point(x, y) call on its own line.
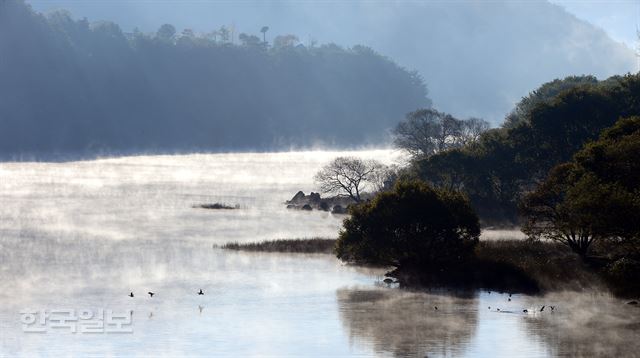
point(131, 294)
point(151, 294)
point(200, 292)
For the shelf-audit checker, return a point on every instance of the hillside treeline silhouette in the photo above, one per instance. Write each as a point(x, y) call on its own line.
point(71, 86)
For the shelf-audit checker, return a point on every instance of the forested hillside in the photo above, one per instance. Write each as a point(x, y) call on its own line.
point(70, 86)
point(545, 129)
point(477, 57)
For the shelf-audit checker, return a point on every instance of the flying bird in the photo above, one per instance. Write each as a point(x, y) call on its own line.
point(200, 292)
point(525, 311)
point(542, 309)
point(131, 294)
point(151, 294)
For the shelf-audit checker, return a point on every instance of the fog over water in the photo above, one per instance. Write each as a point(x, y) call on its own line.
point(82, 235)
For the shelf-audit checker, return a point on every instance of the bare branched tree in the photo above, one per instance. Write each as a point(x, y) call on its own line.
point(415, 134)
point(426, 132)
point(448, 132)
point(348, 176)
point(471, 130)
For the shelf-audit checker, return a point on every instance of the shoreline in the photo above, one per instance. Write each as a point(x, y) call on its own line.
point(503, 265)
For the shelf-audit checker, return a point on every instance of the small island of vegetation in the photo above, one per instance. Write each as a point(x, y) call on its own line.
point(307, 246)
point(217, 206)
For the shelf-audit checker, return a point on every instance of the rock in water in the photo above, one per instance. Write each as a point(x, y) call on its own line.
point(298, 197)
point(314, 197)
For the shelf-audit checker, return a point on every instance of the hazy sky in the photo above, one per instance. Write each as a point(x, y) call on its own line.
point(618, 18)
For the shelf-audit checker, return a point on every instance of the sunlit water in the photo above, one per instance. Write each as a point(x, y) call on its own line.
point(82, 235)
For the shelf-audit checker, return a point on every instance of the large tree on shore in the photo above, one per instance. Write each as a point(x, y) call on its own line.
point(594, 197)
point(349, 176)
point(426, 132)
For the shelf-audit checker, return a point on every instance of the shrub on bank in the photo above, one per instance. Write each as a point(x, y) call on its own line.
point(413, 226)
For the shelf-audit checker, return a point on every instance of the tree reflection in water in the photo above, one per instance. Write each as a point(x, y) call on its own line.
point(408, 323)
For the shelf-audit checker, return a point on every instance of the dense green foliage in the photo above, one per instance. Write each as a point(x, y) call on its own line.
point(570, 162)
point(413, 225)
point(554, 123)
point(544, 94)
point(594, 197)
point(72, 86)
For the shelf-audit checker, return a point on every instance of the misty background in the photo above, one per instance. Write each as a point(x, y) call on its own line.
point(343, 77)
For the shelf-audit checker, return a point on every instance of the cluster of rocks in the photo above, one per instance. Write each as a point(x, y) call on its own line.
point(313, 201)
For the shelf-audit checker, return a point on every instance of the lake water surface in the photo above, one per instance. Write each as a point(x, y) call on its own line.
point(82, 235)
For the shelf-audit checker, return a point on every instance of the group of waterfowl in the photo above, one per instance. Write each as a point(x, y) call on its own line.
point(200, 293)
point(552, 308)
point(541, 309)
